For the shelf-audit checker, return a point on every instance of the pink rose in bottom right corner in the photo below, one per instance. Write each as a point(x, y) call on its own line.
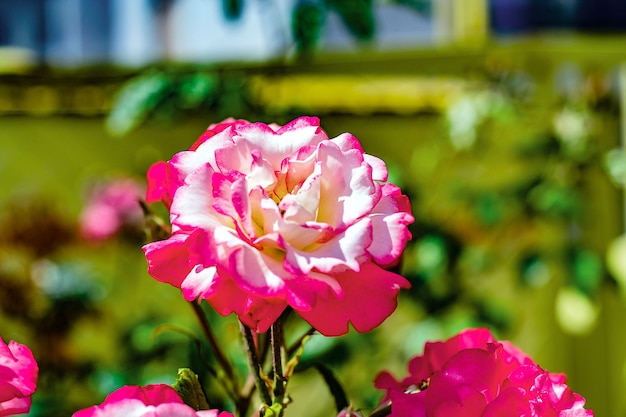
point(474, 375)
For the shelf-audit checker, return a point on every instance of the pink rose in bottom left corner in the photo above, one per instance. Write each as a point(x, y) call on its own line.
point(18, 378)
point(157, 400)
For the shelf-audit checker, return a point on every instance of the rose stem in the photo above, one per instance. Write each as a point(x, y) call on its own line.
point(277, 361)
point(253, 363)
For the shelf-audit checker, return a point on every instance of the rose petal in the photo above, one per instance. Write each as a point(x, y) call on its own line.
point(18, 378)
point(347, 141)
point(347, 249)
point(276, 146)
point(378, 286)
point(347, 190)
point(170, 261)
point(15, 406)
point(408, 405)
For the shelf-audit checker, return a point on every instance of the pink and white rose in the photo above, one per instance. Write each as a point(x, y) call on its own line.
point(111, 207)
point(266, 216)
point(473, 375)
point(18, 378)
point(157, 400)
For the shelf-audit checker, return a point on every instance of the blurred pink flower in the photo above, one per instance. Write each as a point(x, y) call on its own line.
point(265, 217)
point(110, 207)
point(158, 400)
point(473, 375)
point(18, 378)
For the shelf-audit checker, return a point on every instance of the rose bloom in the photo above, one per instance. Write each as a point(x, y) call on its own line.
point(473, 375)
point(18, 378)
point(111, 207)
point(157, 400)
point(265, 216)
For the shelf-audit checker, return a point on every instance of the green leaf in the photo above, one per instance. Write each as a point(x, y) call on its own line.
point(559, 200)
point(587, 270)
point(337, 391)
point(196, 88)
point(188, 387)
point(293, 362)
point(136, 100)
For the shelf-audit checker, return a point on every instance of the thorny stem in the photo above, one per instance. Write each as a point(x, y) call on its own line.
point(277, 362)
point(215, 347)
point(249, 385)
point(254, 364)
point(264, 347)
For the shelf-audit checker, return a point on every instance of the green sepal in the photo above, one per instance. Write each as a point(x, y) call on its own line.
point(293, 362)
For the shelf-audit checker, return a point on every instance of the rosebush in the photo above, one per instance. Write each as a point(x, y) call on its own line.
point(474, 375)
point(156, 400)
point(18, 378)
point(266, 216)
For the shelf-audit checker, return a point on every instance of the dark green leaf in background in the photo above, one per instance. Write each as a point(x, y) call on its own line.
point(308, 19)
point(489, 208)
point(560, 200)
point(534, 272)
point(357, 15)
point(432, 258)
point(586, 270)
point(233, 8)
point(196, 88)
point(337, 391)
point(137, 100)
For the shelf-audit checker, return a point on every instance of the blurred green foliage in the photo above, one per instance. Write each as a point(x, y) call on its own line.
point(160, 94)
point(307, 23)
